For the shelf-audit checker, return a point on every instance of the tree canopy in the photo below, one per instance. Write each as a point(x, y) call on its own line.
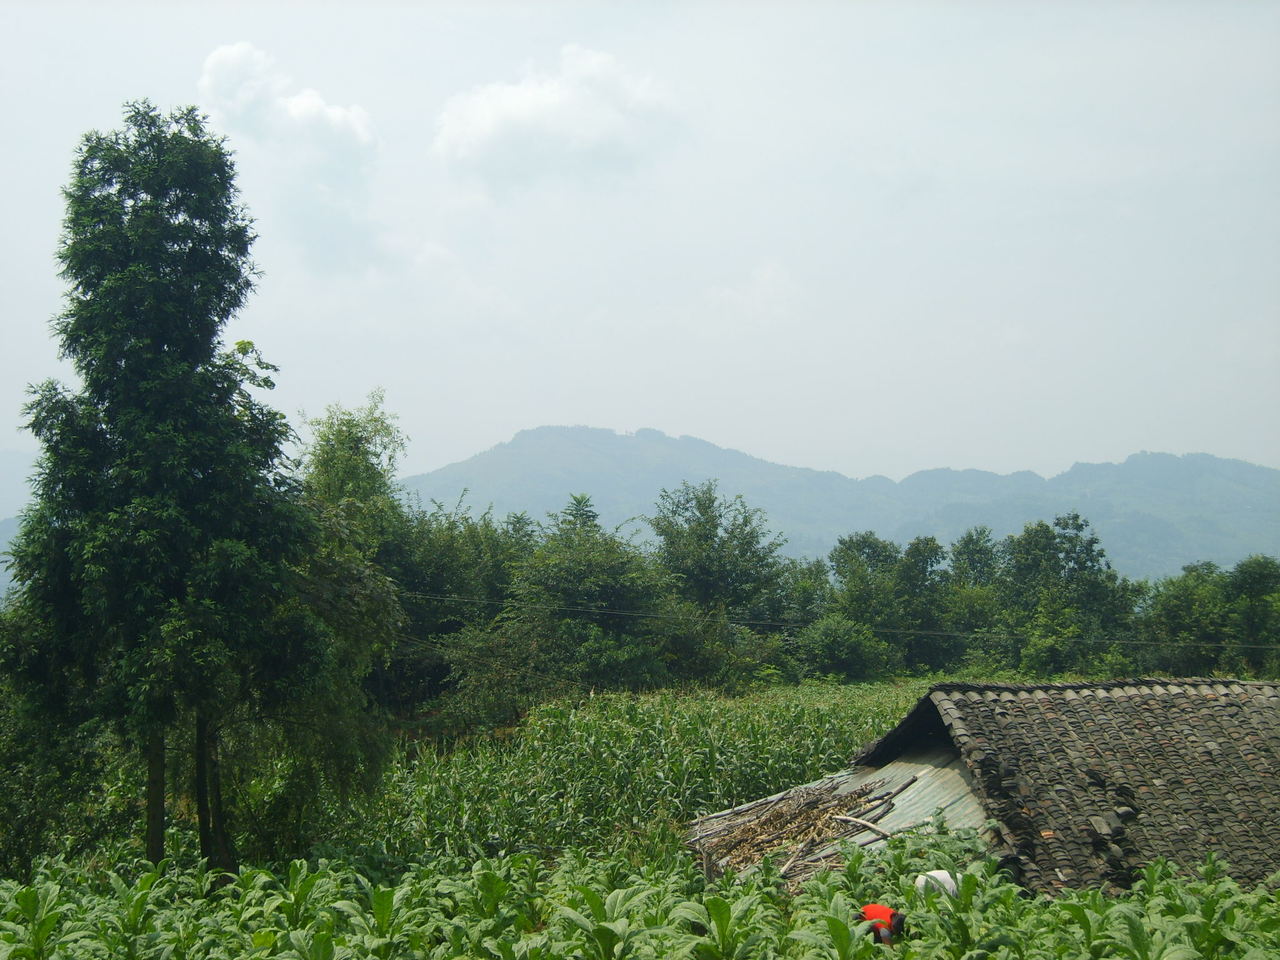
point(719, 547)
point(164, 523)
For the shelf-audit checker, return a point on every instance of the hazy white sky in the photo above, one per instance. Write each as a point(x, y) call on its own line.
point(868, 237)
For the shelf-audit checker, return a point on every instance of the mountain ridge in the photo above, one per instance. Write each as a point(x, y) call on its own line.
point(1155, 512)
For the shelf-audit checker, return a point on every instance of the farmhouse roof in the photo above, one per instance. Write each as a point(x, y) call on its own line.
point(1089, 781)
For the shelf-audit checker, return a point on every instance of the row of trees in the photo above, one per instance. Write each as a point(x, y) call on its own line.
point(497, 612)
point(502, 612)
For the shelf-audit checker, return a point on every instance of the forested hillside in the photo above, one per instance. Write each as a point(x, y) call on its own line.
point(1156, 512)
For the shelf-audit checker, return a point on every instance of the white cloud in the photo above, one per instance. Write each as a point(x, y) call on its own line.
point(309, 108)
point(315, 156)
point(590, 117)
point(247, 91)
point(239, 82)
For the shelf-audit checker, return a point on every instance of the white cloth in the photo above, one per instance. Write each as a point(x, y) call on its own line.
point(943, 880)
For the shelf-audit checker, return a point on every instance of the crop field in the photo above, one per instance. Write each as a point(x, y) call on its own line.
point(560, 839)
point(625, 769)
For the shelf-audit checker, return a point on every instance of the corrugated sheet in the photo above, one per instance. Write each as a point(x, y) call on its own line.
point(807, 828)
point(942, 783)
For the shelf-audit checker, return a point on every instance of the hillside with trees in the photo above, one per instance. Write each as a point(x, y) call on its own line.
point(1157, 512)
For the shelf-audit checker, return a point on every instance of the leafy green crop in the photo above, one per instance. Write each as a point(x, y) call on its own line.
point(605, 907)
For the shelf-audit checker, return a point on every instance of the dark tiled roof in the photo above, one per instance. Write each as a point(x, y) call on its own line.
point(1088, 782)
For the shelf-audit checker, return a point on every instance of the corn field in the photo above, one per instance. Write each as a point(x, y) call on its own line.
point(626, 768)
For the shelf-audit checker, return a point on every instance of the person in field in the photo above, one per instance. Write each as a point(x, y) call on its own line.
point(887, 924)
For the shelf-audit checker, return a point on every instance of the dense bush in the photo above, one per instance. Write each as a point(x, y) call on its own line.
point(836, 645)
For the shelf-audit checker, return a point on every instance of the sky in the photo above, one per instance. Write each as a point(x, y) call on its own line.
point(867, 237)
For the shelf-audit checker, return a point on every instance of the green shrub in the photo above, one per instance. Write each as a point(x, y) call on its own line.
point(835, 645)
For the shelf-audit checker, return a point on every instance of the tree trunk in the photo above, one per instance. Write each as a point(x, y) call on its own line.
point(202, 786)
point(155, 796)
point(224, 850)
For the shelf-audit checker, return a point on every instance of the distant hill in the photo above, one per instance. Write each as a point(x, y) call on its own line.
point(8, 528)
point(1155, 512)
point(15, 472)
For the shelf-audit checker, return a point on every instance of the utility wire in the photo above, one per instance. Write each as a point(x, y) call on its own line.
point(740, 622)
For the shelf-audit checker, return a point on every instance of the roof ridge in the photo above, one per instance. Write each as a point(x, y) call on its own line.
point(947, 686)
point(1087, 780)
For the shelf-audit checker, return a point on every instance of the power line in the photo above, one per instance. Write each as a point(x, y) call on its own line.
point(741, 622)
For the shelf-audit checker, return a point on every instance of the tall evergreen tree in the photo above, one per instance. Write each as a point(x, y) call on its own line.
point(159, 540)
